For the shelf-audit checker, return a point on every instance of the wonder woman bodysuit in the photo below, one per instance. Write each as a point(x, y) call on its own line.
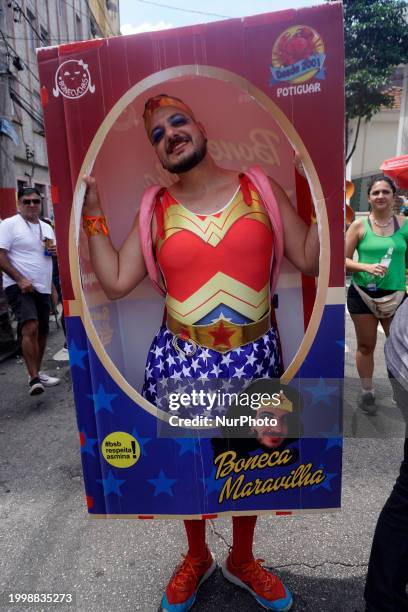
point(216, 269)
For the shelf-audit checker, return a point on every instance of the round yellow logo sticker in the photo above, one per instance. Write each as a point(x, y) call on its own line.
point(120, 449)
point(298, 55)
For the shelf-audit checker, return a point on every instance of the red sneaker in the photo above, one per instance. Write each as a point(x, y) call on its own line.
point(187, 578)
point(267, 589)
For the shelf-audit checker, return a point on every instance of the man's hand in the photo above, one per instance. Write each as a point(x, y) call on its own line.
point(7, 267)
point(92, 205)
point(52, 250)
point(25, 285)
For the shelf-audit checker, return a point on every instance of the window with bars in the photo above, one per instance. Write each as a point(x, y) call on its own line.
point(21, 183)
point(31, 26)
point(45, 37)
point(78, 27)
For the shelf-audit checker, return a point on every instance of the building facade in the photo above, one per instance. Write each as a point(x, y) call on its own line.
point(385, 136)
point(30, 24)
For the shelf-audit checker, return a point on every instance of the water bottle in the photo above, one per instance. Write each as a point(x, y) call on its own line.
point(386, 260)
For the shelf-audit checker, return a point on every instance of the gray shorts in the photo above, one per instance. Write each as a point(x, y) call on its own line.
point(30, 306)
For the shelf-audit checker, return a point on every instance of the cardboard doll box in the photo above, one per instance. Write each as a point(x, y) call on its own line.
point(265, 87)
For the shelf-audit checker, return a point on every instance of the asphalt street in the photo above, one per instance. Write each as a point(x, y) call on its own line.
point(50, 545)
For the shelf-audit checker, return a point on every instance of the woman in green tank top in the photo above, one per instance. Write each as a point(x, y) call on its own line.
point(381, 243)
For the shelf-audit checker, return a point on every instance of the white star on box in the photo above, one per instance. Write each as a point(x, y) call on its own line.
point(160, 366)
point(194, 365)
point(188, 349)
point(259, 368)
point(205, 353)
point(171, 361)
point(239, 372)
point(158, 352)
point(227, 384)
point(222, 317)
point(226, 360)
point(215, 370)
point(251, 359)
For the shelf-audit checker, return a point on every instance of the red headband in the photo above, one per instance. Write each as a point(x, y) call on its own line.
point(160, 101)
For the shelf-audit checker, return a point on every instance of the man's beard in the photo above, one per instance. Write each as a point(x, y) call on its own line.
point(189, 162)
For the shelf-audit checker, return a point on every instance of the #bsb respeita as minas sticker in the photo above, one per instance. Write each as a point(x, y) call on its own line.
point(264, 87)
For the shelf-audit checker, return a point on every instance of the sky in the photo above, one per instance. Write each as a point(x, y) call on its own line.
point(144, 15)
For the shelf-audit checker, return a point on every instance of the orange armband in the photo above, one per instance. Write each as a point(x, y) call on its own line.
point(94, 225)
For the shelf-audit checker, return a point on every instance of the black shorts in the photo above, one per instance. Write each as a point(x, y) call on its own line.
point(355, 303)
point(30, 306)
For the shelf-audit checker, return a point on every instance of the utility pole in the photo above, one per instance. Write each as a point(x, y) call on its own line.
point(8, 345)
point(7, 168)
point(402, 144)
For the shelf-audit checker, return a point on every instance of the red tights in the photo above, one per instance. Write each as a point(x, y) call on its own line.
point(243, 528)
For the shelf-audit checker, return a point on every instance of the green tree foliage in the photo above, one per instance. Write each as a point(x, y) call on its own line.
point(376, 42)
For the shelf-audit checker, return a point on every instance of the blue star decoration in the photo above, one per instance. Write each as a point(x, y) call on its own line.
point(187, 445)
point(102, 400)
point(87, 444)
point(162, 484)
point(322, 393)
point(334, 432)
point(333, 442)
point(142, 441)
point(76, 355)
point(326, 482)
point(111, 484)
point(333, 436)
point(211, 484)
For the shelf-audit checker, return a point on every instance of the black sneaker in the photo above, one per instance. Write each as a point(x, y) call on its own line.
point(35, 386)
point(367, 403)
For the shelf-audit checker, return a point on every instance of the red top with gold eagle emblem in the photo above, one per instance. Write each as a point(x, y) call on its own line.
point(216, 266)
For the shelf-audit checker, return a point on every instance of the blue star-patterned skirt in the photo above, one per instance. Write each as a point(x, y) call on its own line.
point(259, 359)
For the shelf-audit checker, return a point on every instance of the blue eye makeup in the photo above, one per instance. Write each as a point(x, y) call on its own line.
point(158, 132)
point(156, 135)
point(177, 120)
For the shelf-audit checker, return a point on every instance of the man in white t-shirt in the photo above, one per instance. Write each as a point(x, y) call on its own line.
point(27, 245)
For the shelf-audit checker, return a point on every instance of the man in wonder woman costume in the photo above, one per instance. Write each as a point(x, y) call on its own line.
point(212, 243)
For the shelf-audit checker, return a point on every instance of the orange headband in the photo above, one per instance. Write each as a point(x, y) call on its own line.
point(159, 101)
